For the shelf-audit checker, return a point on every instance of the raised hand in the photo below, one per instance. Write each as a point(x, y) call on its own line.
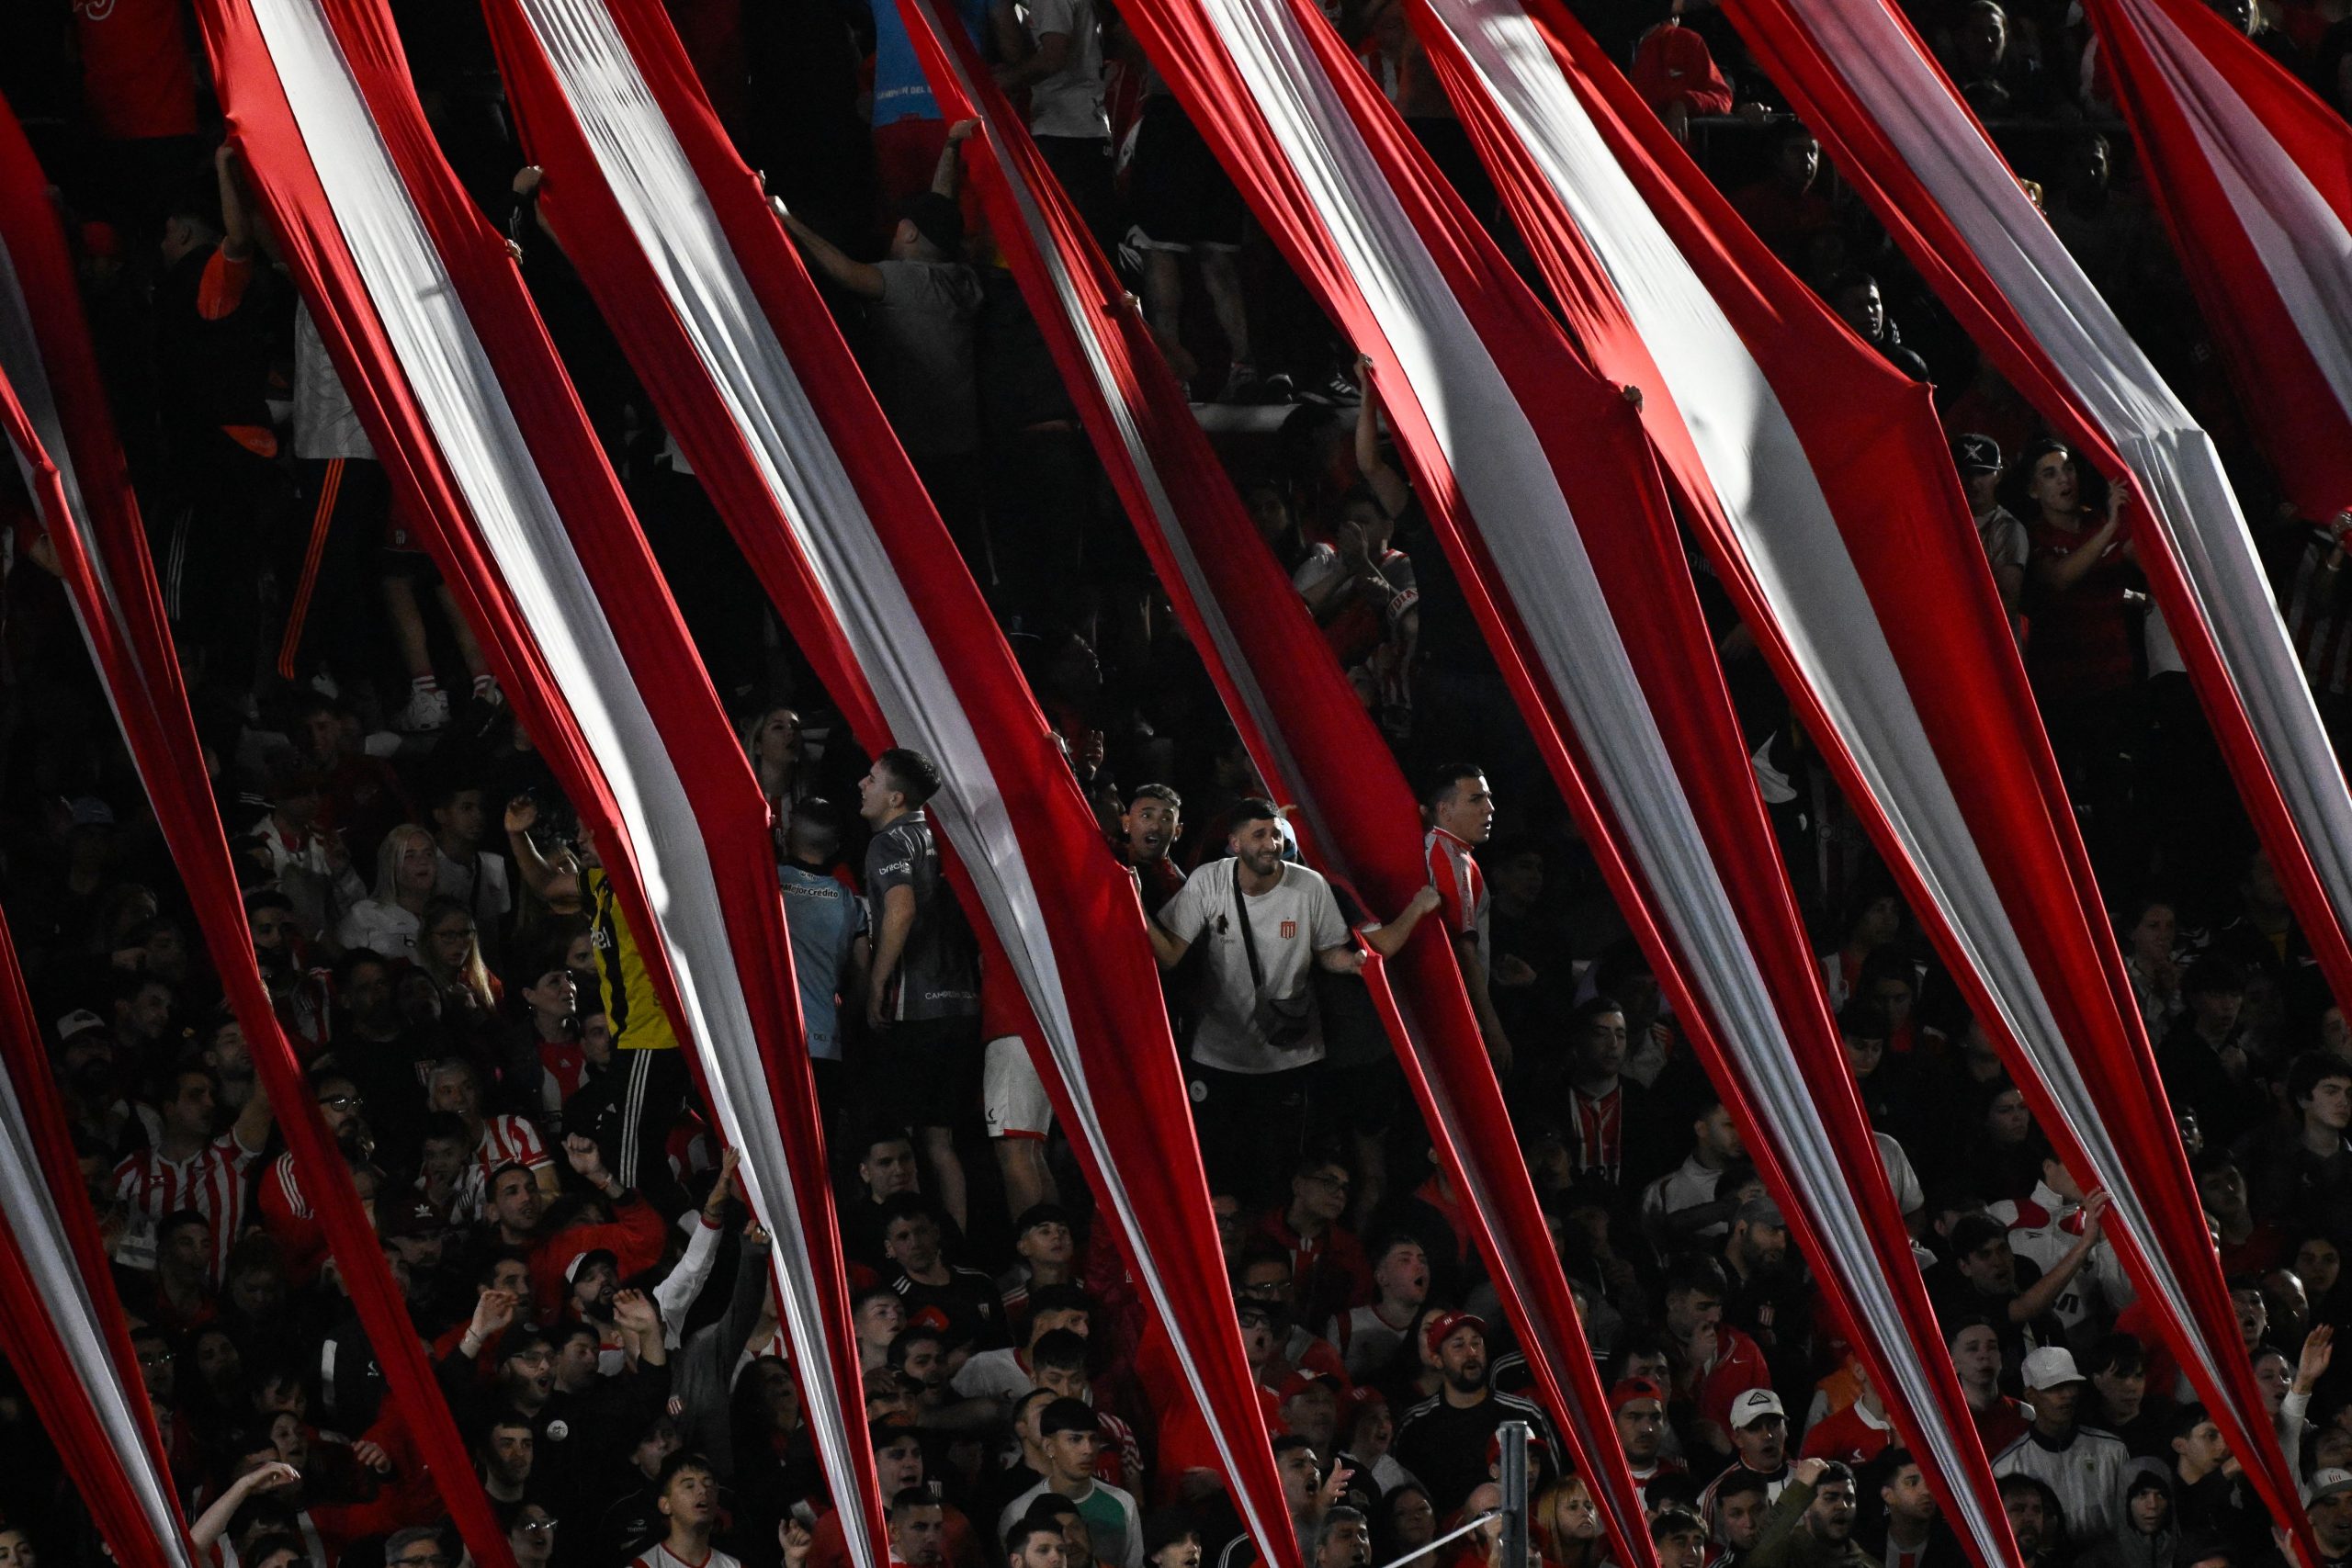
point(522, 814)
point(493, 1310)
point(635, 1310)
point(586, 1160)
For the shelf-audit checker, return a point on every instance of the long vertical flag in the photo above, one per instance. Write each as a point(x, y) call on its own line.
point(2252, 176)
point(1297, 714)
point(93, 520)
point(1816, 476)
point(451, 371)
point(1539, 477)
point(1900, 134)
point(742, 359)
point(67, 1338)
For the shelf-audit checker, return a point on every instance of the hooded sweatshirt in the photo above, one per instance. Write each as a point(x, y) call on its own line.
point(2129, 1547)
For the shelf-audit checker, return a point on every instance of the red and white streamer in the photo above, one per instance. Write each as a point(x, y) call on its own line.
point(1900, 134)
point(2252, 176)
point(654, 207)
point(1300, 719)
point(1536, 471)
point(67, 1339)
point(93, 522)
point(452, 373)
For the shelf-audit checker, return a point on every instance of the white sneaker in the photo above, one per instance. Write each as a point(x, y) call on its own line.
point(486, 692)
point(427, 712)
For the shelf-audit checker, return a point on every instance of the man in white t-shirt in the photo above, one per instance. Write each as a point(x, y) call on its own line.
point(1257, 1031)
point(1054, 48)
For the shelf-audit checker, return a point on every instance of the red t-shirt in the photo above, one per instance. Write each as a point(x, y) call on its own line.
point(136, 74)
point(2081, 642)
point(1845, 1437)
point(1672, 65)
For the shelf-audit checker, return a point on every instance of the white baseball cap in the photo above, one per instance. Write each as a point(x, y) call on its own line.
point(1751, 1406)
point(2329, 1482)
point(2053, 1366)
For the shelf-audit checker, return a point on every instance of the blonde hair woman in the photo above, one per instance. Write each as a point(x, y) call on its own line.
point(392, 918)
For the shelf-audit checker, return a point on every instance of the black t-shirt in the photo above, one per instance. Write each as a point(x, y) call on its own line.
point(1445, 1445)
point(939, 971)
point(969, 1302)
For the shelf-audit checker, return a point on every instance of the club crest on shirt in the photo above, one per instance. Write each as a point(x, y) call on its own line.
point(1290, 930)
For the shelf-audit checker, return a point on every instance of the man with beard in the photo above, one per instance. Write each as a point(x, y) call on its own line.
point(377, 1049)
point(1149, 826)
point(1759, 1434)
point(587, 1426)
point(1769, 1300)
point(1812, 1526)
point(285, 1213)
point(1637, 1407)
point(1443, 1440)
point(2036, 1521)
point(1257, 1035)
point(688, 1498)
point(2082, 1465)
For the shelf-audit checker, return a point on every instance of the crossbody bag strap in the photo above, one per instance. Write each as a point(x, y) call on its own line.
point(1249, 942)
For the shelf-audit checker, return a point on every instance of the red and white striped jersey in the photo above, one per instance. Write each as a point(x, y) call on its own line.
point(212, 1181)
point(509, 1140)
point(1460, 890)
point(504, 1140)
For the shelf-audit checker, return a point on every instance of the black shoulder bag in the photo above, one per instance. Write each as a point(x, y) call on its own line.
point(1281, 1022)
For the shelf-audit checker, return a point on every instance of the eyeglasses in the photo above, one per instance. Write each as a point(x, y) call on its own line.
point(343, 1101)
point(537, 1526)
point(157, 1358)
point(436, 1560)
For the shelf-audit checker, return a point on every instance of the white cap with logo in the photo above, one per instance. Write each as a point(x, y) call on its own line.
point(2053, 1366)
point(1751, 1406)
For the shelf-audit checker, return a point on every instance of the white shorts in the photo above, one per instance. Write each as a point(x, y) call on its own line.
point(1011, 1091)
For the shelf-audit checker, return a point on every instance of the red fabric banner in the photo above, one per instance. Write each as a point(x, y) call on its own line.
point(2252, 175)
point(67, 1336)
point(1302, 721)
point(451, 371)
point(102, 554)
point(1505, 426)
point(1900, 133)
point(752, 380)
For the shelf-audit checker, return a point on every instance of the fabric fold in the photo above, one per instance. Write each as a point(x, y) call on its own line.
point(2252, 175)
point(750, 375)
point(1901, 135)
point(93, 524)
point(1303, 723)
point(449, 368)
point(1540, 480)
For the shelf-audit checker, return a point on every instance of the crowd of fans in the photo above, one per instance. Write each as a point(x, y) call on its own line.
point(440, 943)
